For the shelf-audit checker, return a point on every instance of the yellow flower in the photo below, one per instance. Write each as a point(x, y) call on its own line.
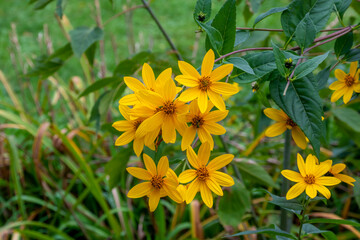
point(283, 122)
point(205, 178)
point(164, 112)
point(129, 127)
point(235, 84)
point(156, 184)
point(180, 188)
point(310, 179)
point(204, 124)
point(346, 84)
point(335, 171)
point(207, 84)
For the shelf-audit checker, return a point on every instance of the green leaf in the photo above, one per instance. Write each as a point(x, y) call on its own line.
point(349, 117)
point(202, 11)
point(319, 12)
point(90, 53)
point(115, 168)
point(130, 65)
point(234, 204)
point(40, 4)
point(213, 35)
point(291, 205)
point(333, 221)
point(225, 23)
point(311, 229)
point(307, 67)
point(95, 111)
point(357, 190)
point(241, 64)
point(256, 173)
point(343, 44)
point(305, 32)
point(322, 78)
point(270, 230)
point(268, 13)
point(241, 36)
point(82, 38)
point(279, 60)
point(352, 55)
point(341, 6)
point(59, 8)
point(100, 84)
point(302, 104)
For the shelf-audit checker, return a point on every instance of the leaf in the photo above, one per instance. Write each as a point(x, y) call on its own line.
point(270, 230)
point(279, 60)
point(268, 13)
point(59, 8)
point(322, 78)
point(291, 205)
point(333, 221)
point(95, 112)
point(343, 44)
point(202, 11)
point(341, 6)
point(256, 172)
point(305, 32)
point(241, 36)
point(319, 12)
point(115, 168)
point(234, 204)
point(213, 35)
point(352, 55)
point(82, 38)
point(310, 65)
point(90, 53)
point(40, 4)
point(100, 84)
point(130, 65)
point(225, 23)
point(357, 190)
point(302, 104)
point(241, 64)
point(349, 117)
point(311, 229)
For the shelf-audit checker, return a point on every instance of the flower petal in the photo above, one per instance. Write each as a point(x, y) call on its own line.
point(295, 190)
point(125, 138)
point(340, 75)
point(172, 192)
point(323, 190)
point(301, 165)
point(168, 130)
point(337, 168)
point(311, 191)
point(224, 88)
point(323, 168)
point(206, 194)
point(192, 190)
point(348, 94)
point(327, 181)
point(275, 114)
point(188, 137)
point(353, 68)
point(148, 76)
point(139, 173)
point(123, 125)
point(299, 137)
point(151, 124)
point(276, 129)
point(202, 101)
point(336, 85)
point(205, 136)
point(214, 186)
point(129, 99)
point(310, 164)
point(154, 199)
point(292, 175)
point(188, 69)
point(214, 128)
point(345, 178)
point(138, 146)
point(221, 72)
point(140, 190)
point(220, 161)
point(208, 63)
point(204, 153)
point(149, 164)
point(166, 86)
point(222, 178)
point(216, 100)
point(338, 94)
point(134, 84)
point(163, 166)
point(215, 116)
point(189, 94)
point(192, 158)
point(187, 80)
point(187, 176)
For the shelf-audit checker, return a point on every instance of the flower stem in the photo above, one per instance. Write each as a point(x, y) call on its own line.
point(303, 216)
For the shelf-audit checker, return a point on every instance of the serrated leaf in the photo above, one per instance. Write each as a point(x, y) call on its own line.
point(256, 172)
point(305, 32)
point(342, 6)
point(270, 230)
point(279, 60)
point(241, 64)
point(343, 44)
point(302, 104)
point(333, 221)
point(349, 117)
point(352, 55)
point(268, 13)
point(82, 38)
point(100, 84)
point(115, 168)
point(309, 66)
point(213, 35)
point(202, 10)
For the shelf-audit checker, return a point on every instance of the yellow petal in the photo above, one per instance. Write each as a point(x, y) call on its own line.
point(208, 63)
point(311, 191)
point(299, 137)
point(214, 186)
point(216, 100)
point(149, 164)
point(353, 68)
point(188, 69)
point(125, 112)
point(224, 88)
point(323, 190)
point(166, 86)
point(336, 85)
point(141, 111)
point(338, 94)
point(296, 190)
point(310, 164)
point(129, 99)
point(189, 94)
point(192, 190)
point(172, 176)
point(140, 190)
point(357, 86)
point(149, 125)
point(214, 128)
point(323, 168)
point(182, 190)
point(148, 76)
point(345, 178)
point(215, 116)
point(337, 168)
point(275, 114)
point(180, 124)
point(205, 136)
point(276, 129)
point(125, 138)
point(340, 75)
point(292, 175)
point(154, 199)
point(327, 181)
point(123, 125)
point(172, 192)
point(301, 165)
point(150, 98)
point(221, 72)
point(163, 166)
point(222, 178)
point(187, 80)
point(192, 158)
point(139, 173)
point(220, 161)
point(187, 176)
point(188, 138)
point(348, 94)
point(206, 194)
point(134, 84)
point(202, 101)
point(168, 130)
point(194, 107)
point(138, 145)
point(204, 153)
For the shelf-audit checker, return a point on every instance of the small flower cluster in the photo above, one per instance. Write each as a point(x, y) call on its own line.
point(156, 112)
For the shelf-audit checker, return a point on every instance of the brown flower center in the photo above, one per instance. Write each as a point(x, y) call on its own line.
point(204, 83)
point(202, 173)
point(290, 123)
point(157, 181)
point(310, 179)
point(349, 80)
point(169, 108)
point(137, 124)
point(197, 121)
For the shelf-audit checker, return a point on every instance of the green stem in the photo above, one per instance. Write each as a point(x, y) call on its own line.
point(303, 216)
point(285, 219)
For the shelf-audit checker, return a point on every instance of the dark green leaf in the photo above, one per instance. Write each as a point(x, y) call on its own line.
point(256, 172)
point(271, 231)
point(83, 37)
point(62, 53)
point(90, 53)
point(343, 44)
point(100, 84)
point(309, 66)
point(311, 229)
point(241, 64)
point(342, 6)
point(352, 55)
point(115, 168)
point(160, 222)
point(279, 60)
point(59, 8)
point(322, 78)
point(234, 204)
point(290, 205)
point(333, 221)
point(349, 117)
point(268, 13)
point(130, 65)
point(95, 111)
point(357, 190)
point(329, 235)
point(40, 4)
point(241, 36)
point(213, 35)
point(305, 32)
point(202, 10)
point(302, 104)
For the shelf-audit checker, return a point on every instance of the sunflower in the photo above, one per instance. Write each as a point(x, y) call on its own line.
point(310, 179)
point(156, 184)
point(207, 84)
point(335, 171)
point(205, 178)
point(283, 122)
point(204, 124)
point(346, 84)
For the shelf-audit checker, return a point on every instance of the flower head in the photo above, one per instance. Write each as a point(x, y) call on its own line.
point(335, 172)
point(204, 124)
point(207, 84)
point(310, 179)
point(283, 122)
point(346, 84)
point(156, 184)
point(205, 177)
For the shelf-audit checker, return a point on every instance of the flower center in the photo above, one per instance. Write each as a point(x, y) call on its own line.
point(202, 173)
point(204, 83)
point(168, 108)
point(310, 179)
point(197, 121)
point(349, 80)
point(157, 181)
point(137, 124)
point(290, 123)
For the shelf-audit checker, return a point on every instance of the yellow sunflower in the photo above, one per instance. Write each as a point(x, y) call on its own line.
point(335, 171)
point(310, 179)
point(346, 84)
point(207, 84)
point(156, 182)
point(205, 178)
point(204, 124)
point(283, 122)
